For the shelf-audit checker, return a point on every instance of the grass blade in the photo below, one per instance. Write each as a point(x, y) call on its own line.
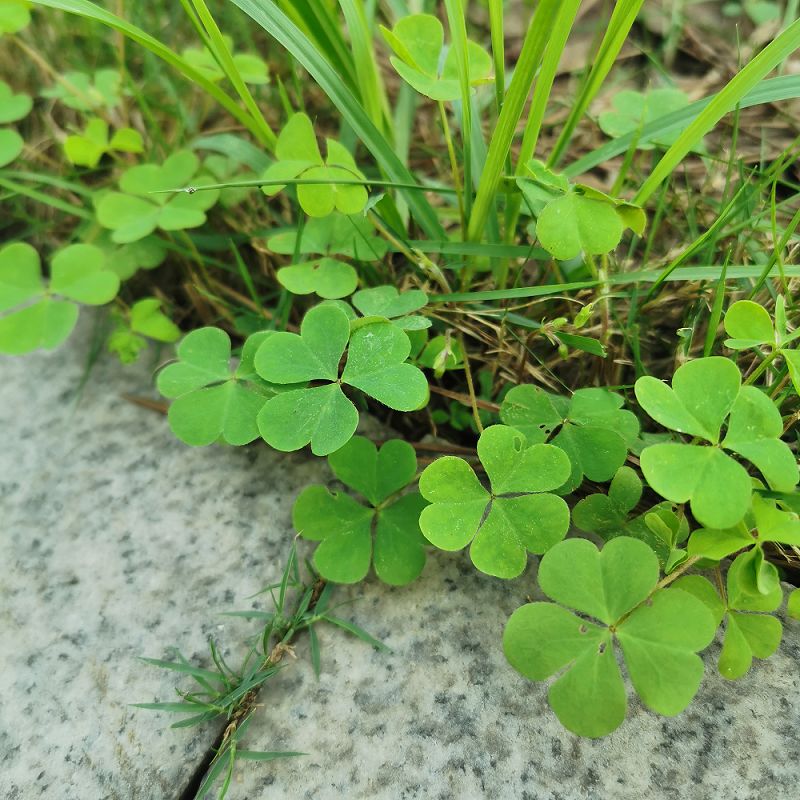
point(529, 59)
point(256, 755)
point(619, 26)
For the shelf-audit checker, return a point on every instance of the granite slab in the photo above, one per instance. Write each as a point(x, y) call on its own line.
point(119, 542)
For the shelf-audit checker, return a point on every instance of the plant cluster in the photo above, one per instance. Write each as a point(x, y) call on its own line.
point(451, 261)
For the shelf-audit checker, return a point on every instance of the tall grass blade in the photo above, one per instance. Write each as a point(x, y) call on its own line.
point(530, 57)
point(619, 26)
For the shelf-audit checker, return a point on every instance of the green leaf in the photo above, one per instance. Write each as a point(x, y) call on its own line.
point(345, 527)
point(754, 432)
point(417, 41)
point(751, 321)
point(633, 110)
point(45, 325)
point(327, 277)
point(688, 407)
point(386, 301)
point(299, 158)
point(14, 16)
point(13, 107)
point(591, 428)
point(746, 636)
point(514, 525)
point(376, 474)
point(337, 234)
point(147, 319)
point(20, 275)
point(718, 487)
point(573, 224)
point(11, 145)
point(376, 365)
point(145, 203)
point(660, 642)
point(605, 514)
point(659, 638)
point(211, 400)
point(604, 584)
point(793, 604)
point(85, 92)
point(79, 273)
point(592, 680)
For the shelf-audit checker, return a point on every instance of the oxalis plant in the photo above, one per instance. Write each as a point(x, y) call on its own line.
point(425, 254)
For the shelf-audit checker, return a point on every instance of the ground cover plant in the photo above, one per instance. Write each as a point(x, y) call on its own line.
point(575, 285)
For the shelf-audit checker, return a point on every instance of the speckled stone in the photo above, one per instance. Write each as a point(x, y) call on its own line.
point(120, 541)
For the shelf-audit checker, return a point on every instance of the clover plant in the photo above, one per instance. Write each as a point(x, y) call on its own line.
point(334, 235)
point(127, 259)
point(332, 180)
point(441, 353)
point(707, 475)
point(633, 110)
point(85, 92)
point(574, 219)
point(517, 515)
point(592, 428)
point(385, 532)
point(327, 277)
point(35, 313)
point(214, 400)
point(13, 107)
point(749, 325)
point(399, 307)
point(87, 148)
point(749, 631)
point(145, 204)
point(417, 42)
point(322, 414)
point(250, 67)
point(143, 320)
point(618, 602)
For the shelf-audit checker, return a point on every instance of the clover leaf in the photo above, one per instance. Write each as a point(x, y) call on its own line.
point(327, 277)
point(750, 326)
point(86, 149)
point(11, 145)
point(659, 638)
point(14, 16)
point(251, 68)
point(575, 219)
point(85, 92)
point(503, 525)
point(322, 415)
point(764, 522)
point(441, 353)
point(386, 301)
point(591, 428)
point(299, 158)
point(226, 169)
point(749, 633)
point(717, 486)
point(144, 319)
point(213, 400)
point(351, 536)
point(604, 514)
point(13, 107)
point(43, 315)
point(127, 259)
point(334, 235)
point(417, 41)
point(634, 110)
point(136, 211)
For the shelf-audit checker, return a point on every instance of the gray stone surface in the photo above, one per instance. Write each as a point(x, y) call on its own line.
point(119, 541)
